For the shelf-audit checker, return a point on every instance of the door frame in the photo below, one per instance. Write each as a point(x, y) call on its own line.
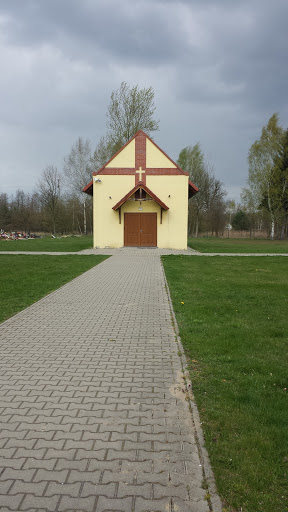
point(154, 214)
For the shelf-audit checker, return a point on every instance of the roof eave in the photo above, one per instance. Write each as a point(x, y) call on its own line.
point(192, 189)
point(88, 189)
point(133, 190)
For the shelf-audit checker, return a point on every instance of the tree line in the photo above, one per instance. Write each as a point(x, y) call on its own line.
point(58, 205)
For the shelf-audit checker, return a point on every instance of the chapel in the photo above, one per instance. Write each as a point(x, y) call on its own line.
point(140, 198)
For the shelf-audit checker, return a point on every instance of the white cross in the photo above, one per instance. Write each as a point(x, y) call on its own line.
point(140, 172)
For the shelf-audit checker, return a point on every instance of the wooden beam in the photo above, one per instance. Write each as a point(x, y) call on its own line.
point(161, 215)
point(119, 210)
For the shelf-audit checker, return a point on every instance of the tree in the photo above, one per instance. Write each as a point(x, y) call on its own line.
point(209, 203)
point(103, 152)
point(77, 169)
point(216, 206)
point(131, 109)
point(250, 206)
point(191, 159)
point(5, 212)
point(263, 156)
point(49, 189)
point(240, 221)
point(279, 185)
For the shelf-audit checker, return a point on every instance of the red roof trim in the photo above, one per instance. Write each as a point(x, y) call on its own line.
point(192, 189)
point(89, 188)
point(165, 154)
point(150, 171)
point(149, 138)
point(117, 152)
point(147, 190)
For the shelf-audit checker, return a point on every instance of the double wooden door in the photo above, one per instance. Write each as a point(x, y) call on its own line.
point(140, 229)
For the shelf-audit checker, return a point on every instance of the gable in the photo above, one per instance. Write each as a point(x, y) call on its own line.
point(140, 152)
point(155, 158)
point(141, 158)
point(125, 158)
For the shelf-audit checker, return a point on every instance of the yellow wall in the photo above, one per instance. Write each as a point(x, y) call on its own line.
point(172, 233)
point(155, 157)
point(126, 157)
point(107, 232)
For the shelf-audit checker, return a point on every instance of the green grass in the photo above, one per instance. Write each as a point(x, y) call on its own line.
point(47, 244)
point(234, 328)
point(237, 245)
point(27, 278)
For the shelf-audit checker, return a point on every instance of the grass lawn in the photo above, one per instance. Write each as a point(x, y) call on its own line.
point(69, 244)
point(234, 328)
point(26, 279)
point(238, 245)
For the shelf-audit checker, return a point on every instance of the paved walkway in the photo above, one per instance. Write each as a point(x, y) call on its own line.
point(145, 251)
point(95, 413)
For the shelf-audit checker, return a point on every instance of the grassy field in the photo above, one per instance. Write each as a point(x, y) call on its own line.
point(238, 245)
point(26, 279)
point(47, 244)
point(234, 328)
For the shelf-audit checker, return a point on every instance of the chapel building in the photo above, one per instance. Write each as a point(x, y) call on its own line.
point(140, 198)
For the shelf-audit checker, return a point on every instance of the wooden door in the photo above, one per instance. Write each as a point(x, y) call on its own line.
point(140, 229)
point(131, 229)
point(148, 229)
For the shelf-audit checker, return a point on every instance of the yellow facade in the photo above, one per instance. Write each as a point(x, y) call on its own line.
point(126, 157)
point(155, 157)
point(172, 190)
point(140, 160)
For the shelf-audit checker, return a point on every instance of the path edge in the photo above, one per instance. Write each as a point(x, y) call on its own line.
point(53, 291)
point(214, 500)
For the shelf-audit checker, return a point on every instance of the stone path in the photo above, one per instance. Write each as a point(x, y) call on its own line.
point(145, 251)
point(94, 409)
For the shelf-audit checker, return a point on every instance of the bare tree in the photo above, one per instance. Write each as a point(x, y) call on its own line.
point(131, 109)
point(49, 189)
point(77, 169)
point(103, 152)
point(208, 205)
point(5, 212)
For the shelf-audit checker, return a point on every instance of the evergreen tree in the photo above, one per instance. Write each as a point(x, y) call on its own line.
point(240, 221)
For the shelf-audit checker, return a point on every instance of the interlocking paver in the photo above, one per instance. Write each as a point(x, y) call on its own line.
point(92, 418)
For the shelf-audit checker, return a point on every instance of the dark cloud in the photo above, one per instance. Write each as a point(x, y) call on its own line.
point(218, 70)
point(125, 30)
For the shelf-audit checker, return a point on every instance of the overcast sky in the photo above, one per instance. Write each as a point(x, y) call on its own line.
point(218, 68)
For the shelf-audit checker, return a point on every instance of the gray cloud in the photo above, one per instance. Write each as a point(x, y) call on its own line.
point(218, 70)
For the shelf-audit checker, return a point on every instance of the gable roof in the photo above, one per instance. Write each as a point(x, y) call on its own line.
point(141, 155)
point(139, 134)
point(147, 190)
